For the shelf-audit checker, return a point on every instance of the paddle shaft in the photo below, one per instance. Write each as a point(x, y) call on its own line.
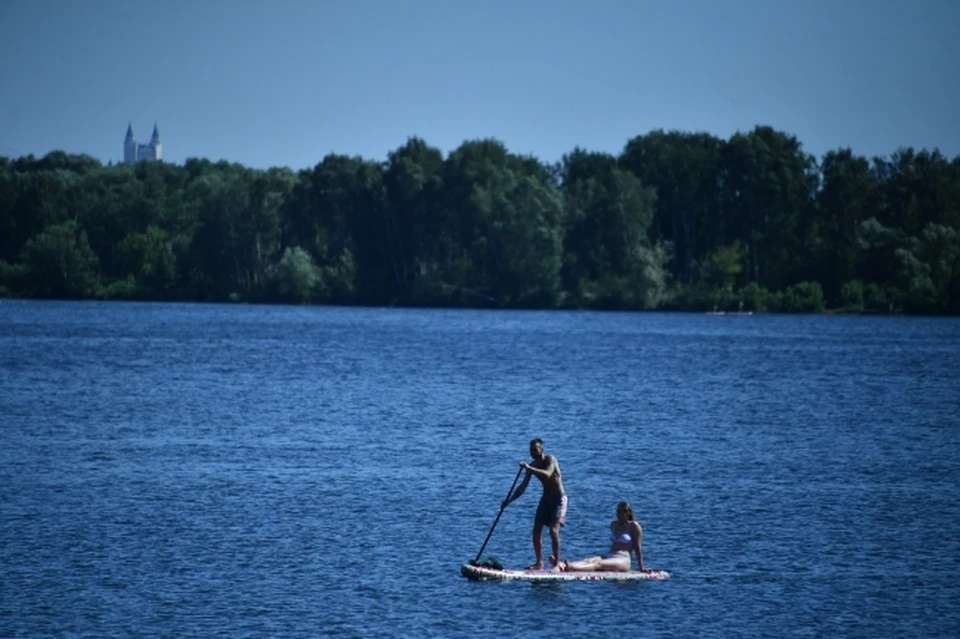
point(510, 492)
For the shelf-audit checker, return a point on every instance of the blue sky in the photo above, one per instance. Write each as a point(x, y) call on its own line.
point(284, 82)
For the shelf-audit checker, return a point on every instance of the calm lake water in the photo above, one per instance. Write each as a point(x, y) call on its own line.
point(178, 470)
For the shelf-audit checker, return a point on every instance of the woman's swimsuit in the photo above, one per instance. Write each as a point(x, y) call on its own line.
point(622, 538)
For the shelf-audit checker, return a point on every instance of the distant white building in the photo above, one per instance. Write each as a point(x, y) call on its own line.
point(133, 152)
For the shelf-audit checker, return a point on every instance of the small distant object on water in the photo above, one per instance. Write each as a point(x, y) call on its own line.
point(739, 312)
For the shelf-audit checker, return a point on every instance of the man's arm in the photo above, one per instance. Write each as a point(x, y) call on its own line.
point(545, 473)
point(519, 491)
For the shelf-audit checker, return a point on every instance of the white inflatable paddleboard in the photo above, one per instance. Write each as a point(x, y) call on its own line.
point(484, 573)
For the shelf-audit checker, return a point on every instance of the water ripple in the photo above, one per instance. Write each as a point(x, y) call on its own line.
point(194, 470)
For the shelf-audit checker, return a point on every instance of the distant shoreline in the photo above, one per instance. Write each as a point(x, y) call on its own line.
point(566, 309)
point(676, 222)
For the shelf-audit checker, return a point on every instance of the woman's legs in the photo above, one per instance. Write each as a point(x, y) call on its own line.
point(592, 564)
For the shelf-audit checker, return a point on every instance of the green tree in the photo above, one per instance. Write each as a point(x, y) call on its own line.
point(502, 245)
point(217, 252)
point(851, 295)
point(148, 257)
point(60, 263)
point(929, 274)
point(321, 216)
point(677, 220)
point(768, 191)
point(722, 267)
point(684, 169)
point(295, 278)
point(411, 224)
point(610, 260)
point(849, 196)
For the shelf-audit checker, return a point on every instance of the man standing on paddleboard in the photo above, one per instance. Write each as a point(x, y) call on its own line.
point(552, 509)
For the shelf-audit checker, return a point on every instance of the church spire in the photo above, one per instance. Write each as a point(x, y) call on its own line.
point(129, 131)
point(156, 134)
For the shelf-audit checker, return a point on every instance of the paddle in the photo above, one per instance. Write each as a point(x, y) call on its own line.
point(510, 492)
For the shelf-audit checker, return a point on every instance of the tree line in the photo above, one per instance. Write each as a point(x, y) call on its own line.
point(676, 221)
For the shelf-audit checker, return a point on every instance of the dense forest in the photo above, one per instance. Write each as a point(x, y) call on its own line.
point(679, 221)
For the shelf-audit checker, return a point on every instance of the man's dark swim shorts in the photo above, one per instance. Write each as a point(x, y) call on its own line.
point(552, 509)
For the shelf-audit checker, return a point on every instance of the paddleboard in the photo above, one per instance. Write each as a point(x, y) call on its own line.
point(484, 573)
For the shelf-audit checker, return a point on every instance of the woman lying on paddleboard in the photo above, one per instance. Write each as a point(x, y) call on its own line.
point(626, 536)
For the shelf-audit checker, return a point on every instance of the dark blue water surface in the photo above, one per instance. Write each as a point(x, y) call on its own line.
point(200, 470)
